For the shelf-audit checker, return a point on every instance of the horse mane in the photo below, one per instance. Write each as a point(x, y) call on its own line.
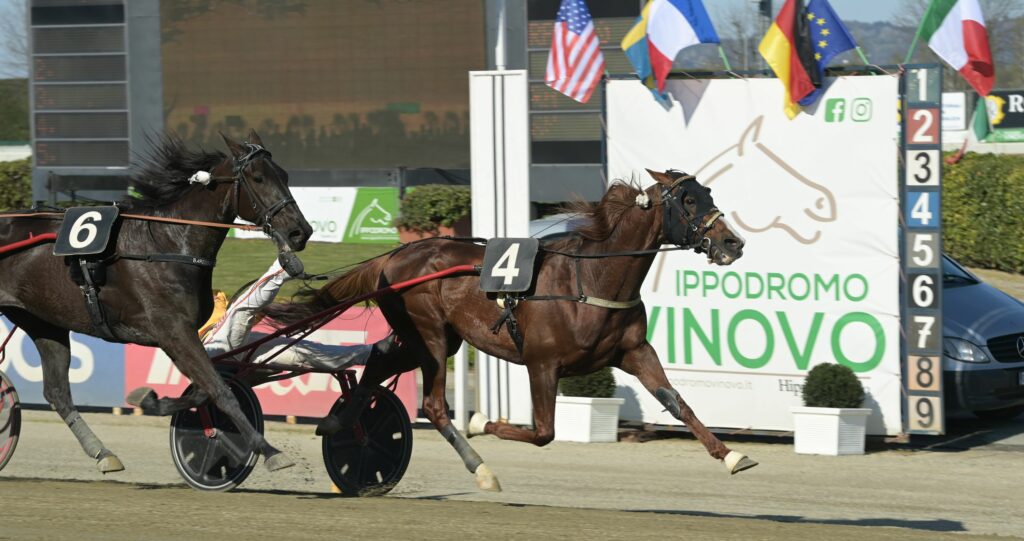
point(163, 173)
point(600, 219)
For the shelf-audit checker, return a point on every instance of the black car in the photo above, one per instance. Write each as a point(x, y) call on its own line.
point(983, 349)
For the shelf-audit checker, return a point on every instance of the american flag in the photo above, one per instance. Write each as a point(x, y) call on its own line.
point(575, 64)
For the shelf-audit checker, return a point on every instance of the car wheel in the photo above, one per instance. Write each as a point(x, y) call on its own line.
point(1001, 414)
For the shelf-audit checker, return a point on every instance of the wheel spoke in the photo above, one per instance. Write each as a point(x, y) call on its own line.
point(204, 465)
point(385, 452)
point(381, 422)
point(233, 449)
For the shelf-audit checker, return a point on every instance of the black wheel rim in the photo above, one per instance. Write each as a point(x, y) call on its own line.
point(10, 420)
point(220, 462)
point(370, 458)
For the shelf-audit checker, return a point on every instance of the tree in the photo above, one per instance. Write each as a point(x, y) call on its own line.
point(14, 41)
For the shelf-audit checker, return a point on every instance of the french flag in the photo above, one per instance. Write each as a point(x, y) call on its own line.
point(672, 26)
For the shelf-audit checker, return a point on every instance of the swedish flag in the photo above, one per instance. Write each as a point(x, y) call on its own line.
point(829, 37)
point(637, 50)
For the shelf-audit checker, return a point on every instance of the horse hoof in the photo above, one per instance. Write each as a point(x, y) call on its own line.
point(278, 461)
point(477, 424)
point(109, 464)
point(737, 462)
point(143, 397)
point(485, 479)
point(328, 426)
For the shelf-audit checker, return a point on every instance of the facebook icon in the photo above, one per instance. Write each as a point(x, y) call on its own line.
point(835, 109)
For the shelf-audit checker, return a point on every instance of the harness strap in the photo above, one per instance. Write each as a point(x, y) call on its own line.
point(92, 303)
point(172, 258)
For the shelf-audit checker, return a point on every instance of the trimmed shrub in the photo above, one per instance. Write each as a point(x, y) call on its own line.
point(424, 208)
point(16, 184)
point(983, 196)
point(600, 384)
point(832, 386)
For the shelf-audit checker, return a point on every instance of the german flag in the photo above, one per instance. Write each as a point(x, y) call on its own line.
point(788, 49)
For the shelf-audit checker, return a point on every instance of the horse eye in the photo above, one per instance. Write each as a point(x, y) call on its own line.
point(690, 201)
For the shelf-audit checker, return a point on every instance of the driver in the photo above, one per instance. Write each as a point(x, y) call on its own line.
point(234, 330)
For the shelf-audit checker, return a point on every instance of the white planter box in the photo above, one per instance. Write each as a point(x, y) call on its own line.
point(587, 419)
point(829, 431)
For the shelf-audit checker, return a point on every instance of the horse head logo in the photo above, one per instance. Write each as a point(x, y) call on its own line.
point(377, 216)
point(735, 171)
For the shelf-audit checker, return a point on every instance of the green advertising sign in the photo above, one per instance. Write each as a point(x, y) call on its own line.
point(373, 215)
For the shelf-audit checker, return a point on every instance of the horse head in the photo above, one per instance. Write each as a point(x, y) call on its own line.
point(691, 219)
point(800, 213)
point(264, 199)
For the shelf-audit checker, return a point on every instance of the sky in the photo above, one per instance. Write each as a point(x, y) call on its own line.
point(852, 10)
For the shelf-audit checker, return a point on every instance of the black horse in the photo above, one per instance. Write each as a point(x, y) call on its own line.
point(151, 294)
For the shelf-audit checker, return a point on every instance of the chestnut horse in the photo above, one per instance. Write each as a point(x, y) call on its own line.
point(597, 319)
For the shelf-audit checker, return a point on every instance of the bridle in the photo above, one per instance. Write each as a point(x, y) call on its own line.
point(266, 215)
point(680, 228)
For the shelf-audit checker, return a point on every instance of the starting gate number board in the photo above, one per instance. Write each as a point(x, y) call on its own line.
point(508, 265)
point(85, 230)
point(921, 191)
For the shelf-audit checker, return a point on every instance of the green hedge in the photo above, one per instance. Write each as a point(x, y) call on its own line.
point(600, 384)
point(16, 184)
point(983, 214)
point(426, 207)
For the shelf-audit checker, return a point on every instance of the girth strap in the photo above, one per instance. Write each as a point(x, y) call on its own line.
point(92, 302)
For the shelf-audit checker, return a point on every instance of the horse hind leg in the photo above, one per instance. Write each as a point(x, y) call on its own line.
point(147, 399)
point(55, 355)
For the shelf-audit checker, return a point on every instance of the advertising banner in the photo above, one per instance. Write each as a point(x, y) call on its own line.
point(1006, 115)
point(816, 199)
point(309, 395)
point(954, 111)
point(345, 214)
point(96, 374)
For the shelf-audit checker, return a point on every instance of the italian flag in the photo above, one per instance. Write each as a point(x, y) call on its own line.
point(955, 30)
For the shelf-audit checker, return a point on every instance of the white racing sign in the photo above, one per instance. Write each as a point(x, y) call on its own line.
point(817, 200)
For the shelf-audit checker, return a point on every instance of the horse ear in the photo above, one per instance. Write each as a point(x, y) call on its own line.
point(254, 137)
point(662, 178)
point(234, 146)
point(750, 135)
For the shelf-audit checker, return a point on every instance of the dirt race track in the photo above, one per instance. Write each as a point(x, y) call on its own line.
point(971, 484)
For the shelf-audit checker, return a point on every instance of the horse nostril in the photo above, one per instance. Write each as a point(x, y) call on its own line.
point(297, 238)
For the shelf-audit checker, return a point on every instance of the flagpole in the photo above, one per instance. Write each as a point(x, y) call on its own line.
point(913, 46)
point(863, 57)
point(725, 60)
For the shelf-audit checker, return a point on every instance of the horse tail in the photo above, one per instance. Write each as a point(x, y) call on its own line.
point(361, 280)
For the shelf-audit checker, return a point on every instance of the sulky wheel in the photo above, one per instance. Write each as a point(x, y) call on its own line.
point(10, 419)
point(369, 458)
point(208, 450)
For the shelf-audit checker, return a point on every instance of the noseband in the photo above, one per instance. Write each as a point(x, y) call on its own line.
point(269, 211)
point(694, 228)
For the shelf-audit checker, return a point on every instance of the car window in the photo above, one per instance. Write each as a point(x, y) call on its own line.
point(953, 274)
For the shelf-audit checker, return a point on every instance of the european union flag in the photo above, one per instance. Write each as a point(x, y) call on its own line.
point(828, 36)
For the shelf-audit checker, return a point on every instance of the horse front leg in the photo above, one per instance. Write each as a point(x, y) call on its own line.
point(643, 363)
point(190, 357)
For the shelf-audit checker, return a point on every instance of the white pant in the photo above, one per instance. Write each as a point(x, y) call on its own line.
point(235, 329)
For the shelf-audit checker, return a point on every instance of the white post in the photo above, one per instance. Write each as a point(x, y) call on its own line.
point(461, 420)
point(500, 162)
